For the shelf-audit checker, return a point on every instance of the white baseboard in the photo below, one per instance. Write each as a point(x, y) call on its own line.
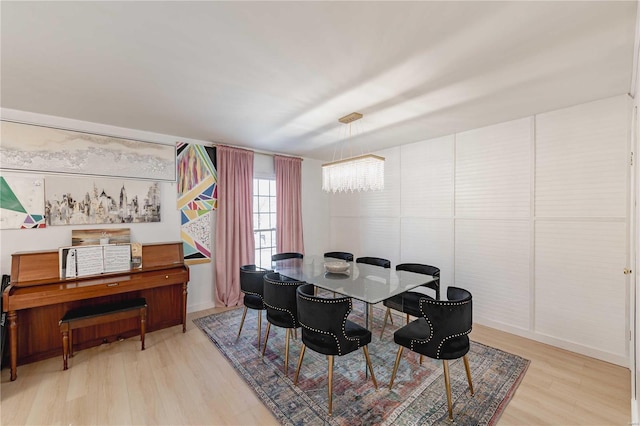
point(617, 359)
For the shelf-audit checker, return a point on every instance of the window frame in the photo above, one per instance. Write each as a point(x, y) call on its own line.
point(264, 188)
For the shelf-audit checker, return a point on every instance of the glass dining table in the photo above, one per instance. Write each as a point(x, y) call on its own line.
point(368, 283)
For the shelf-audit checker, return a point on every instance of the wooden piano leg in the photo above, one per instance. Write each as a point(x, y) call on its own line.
point(65, 348)
point(184, 307)
point(13, 343)
point(70, 343)
point(143, 325)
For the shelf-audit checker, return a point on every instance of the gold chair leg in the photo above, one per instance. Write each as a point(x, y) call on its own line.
point(302, 349)
point(244, 314)
point(390, 316)
point(447, 385)
point(384, 324)
point(395, 367)
point(266, 338)
point(466, 367)
point(407, 318)
point(286, 351)
point(330, 359)
point(373, 376)
point(420, 359)
point(259, 328)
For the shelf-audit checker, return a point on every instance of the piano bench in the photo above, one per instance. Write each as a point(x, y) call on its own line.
point(93, 315)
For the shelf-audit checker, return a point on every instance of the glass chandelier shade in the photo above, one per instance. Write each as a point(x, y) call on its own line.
point(363, 173)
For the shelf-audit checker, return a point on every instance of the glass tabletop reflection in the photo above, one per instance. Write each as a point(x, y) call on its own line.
point(369, 283)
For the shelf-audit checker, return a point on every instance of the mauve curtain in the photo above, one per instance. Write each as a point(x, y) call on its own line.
point(234, 243)
point(289, 204)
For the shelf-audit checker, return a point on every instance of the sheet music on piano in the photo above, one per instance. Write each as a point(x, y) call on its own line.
point(117, 257)
point(79, 261)
point(89, 261)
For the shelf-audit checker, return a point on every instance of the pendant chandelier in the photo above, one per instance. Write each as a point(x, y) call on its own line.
point(360, 173)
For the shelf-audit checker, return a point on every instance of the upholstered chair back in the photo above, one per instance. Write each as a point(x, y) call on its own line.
point(340, 255)
point(280, 300)
point(252, 285)
point(420, 268)
point(377, 261)
point(450, 322)
point(290, 255)
point(324, 323)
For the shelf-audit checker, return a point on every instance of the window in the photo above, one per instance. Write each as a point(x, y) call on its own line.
point(264, 220)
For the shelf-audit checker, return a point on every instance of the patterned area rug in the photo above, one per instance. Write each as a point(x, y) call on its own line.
point(418, 396)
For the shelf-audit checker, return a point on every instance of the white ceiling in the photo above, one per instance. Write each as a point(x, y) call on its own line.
point(276, 76)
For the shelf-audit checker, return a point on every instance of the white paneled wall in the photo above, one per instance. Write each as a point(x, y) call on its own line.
point(493, 171)
point(492, 262)
point(582, 160)
point(344, 233)
point(427, 205)
point(432, 239)
point(379, 237)
point(580, 291)
point(530, 215)
point(581, 229)
point(427, 178)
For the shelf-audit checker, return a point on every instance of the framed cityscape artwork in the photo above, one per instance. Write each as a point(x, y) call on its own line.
point(80, 201)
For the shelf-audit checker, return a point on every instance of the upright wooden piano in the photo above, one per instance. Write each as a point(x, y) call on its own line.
point(37, 298)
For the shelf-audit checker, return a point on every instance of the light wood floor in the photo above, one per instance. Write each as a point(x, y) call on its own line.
point(182, 379)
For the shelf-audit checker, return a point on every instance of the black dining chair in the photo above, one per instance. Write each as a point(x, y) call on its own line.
point(326, 330)
point(409, 301)
point(252, 285)
point(281, 306)
point(289, 255)
point(441, 332)
point(343, 255)
point(376, 261)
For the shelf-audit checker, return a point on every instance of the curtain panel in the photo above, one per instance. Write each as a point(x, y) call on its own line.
point(289, 204)
point(234, 242)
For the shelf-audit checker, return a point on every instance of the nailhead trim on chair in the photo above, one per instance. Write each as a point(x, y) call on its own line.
point(442, 302)
point(324, 332)
point(251, 292)
point(423, 341)
point(424, 315)
point(284, 283)
point(447, 338)
point(294, 321)
point(321, 300)
point(249, 271)
point(344, 319)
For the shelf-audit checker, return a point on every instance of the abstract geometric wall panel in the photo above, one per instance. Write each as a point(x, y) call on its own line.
point(197, 177)
point(196, 235)
point(45, 149)
point(21, 202)
point(80, 201)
